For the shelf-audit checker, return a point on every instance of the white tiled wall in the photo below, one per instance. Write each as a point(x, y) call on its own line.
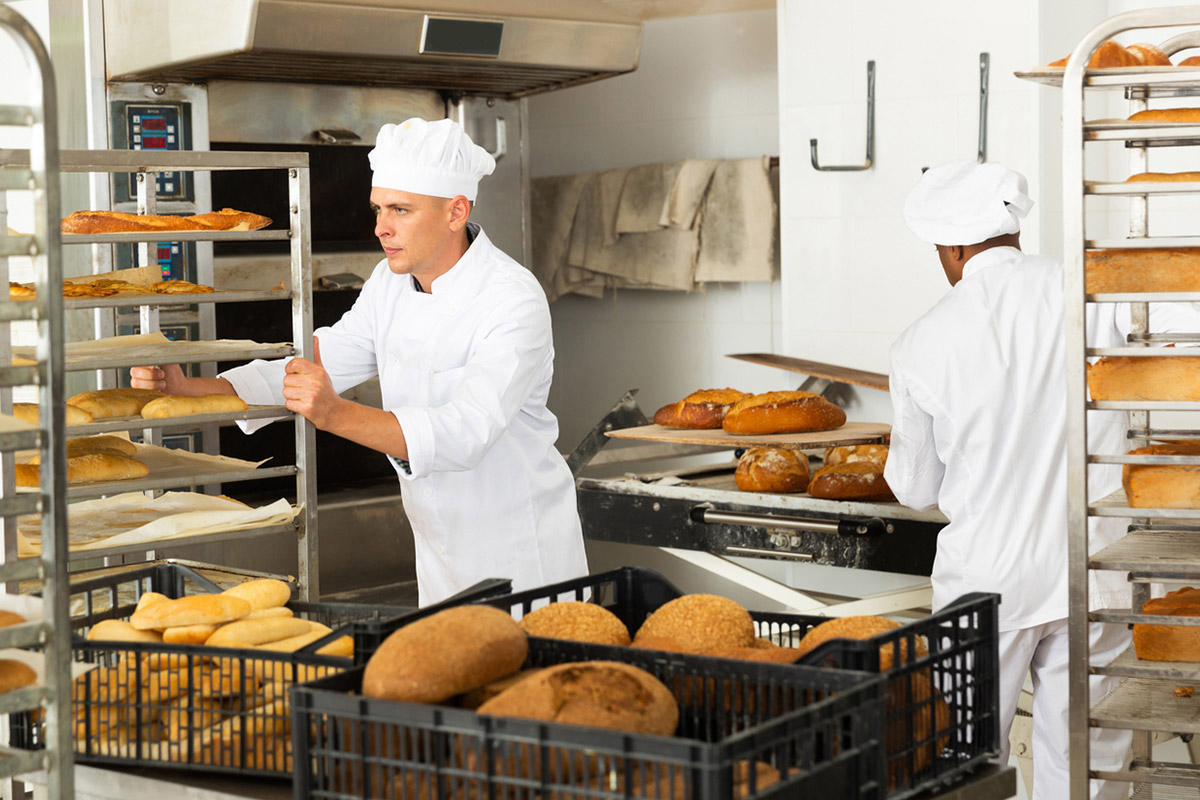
point(706, 87)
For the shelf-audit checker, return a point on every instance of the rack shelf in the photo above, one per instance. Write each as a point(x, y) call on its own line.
point(196, 420)
point(1148, 704)
point(1143, 242)
point(142, 300)
point(1149, 78)
point(1142, 188)
point(185, 355)
point(174, 236)
point(1115, 505)
point(1126, 665)
point(1158, 551)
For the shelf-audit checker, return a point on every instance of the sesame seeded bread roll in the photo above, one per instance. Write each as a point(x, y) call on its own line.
point(579, 622)
point(700, 622)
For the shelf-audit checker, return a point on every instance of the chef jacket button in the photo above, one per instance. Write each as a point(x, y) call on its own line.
point(391, 358)
point(424, 365)
point(428, 492)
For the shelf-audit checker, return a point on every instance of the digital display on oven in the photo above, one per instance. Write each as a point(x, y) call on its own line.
point(461, 37)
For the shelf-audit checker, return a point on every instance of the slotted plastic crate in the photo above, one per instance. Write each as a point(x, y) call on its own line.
point(747, 730)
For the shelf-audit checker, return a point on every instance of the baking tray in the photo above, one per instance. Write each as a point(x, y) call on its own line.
point(850, 433)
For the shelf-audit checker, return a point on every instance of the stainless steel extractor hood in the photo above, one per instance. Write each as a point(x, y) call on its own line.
point(172, 41)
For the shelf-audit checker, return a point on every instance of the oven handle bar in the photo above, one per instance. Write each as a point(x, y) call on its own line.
point(737, 550)
point(846, 527)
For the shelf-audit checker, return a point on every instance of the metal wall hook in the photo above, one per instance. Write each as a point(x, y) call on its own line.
point(984, 68)
point(812, 143)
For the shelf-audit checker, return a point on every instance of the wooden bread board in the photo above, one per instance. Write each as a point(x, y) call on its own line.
point(816, 369)
point(850, 433)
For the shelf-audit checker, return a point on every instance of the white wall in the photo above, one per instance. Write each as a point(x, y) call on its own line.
point(706, 87)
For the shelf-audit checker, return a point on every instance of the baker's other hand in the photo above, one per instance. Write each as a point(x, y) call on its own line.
point(308, 391)
point(168, 378)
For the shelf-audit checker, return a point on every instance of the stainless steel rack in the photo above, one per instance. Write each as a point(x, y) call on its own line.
point(1162, 544)
point(52, 631)
point(145, 165)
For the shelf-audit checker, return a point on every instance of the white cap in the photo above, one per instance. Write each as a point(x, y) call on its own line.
point(965, 202)
point(431, 158)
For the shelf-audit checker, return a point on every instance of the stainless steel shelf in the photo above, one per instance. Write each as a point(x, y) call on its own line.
point(17, 246)
point(21, 504)
point(1126, 665)
point(183, 356)
point(138, 300)
point(17, 311)
point(22, 699)
point(1144, 459)
point(1148, 704)
point(1144, 405)
point(1115, 505)
point(1120, 78)
point(18, 762)
point(173, 236)
point(26, 569)
point(1125, 616)
point(1143, 242)
point(80, 490)
point(26, 634)
point(1114, 130)
point(19, 376)
point(140, 423)
point(1162, 791)
point(1176, 552)
point(160, 160)
point(12, 180)
point(1144, 297)
point(19, 440)
point(1142, 188)
point(184, 541)
point(16, 115)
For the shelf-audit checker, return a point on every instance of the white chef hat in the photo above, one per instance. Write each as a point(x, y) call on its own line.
point(965, 202)
point(431, 158)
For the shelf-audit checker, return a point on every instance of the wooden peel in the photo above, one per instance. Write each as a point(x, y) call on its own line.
point(850, 433)
point(858, 377)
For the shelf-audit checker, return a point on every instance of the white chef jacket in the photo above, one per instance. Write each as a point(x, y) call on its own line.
point(978, 393)
point(466, 371)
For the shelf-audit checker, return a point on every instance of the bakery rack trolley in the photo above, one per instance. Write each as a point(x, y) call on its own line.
point(1161, 544)
point(41, 180)
point(145, 165)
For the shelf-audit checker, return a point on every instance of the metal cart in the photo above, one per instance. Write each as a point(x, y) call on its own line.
point(41, 178)
point(1161, 543)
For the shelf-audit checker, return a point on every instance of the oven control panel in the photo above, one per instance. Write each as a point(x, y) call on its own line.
point(153, 126)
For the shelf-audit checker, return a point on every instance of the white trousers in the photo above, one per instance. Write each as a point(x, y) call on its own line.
point(1042, 651)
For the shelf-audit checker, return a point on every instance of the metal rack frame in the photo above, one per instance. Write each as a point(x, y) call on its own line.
point(1135, 704)
point(42, 179)
point(145, 164)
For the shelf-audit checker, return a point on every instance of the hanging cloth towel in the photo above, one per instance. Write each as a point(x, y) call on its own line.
point(737, 228)
point(687, 192)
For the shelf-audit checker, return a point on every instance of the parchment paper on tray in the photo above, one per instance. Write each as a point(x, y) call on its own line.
point(132, 518)
point(154, 348)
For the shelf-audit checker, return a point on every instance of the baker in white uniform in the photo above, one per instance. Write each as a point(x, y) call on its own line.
point(979, 398)
point(459, 335)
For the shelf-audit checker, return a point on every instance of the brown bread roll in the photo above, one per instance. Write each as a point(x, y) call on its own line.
point(1170, 642)
point(783, 412)
point(180, 406)
point(598, 694)
point(862, 627)
point(445, 654)
point(1149, 378)
point(15, 675)
point(856, 480)
point(772, 469)
point(1148, 55)
point(1190, 61)
point(700, 621)
point(477, 697)
point(28, 412)
point(1108, 55)
point(1165, 485)
point(579, 622)
point(262, 593)
point(704, 409)
point(118, 630)
point(197, 609)
point(1143, 270)
point(847, 454)
point(252, 632)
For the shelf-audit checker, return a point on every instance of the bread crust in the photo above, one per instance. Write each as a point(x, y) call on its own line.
point(700, 622)
point(1148, 270)
point(197, 609)
point(704, 409)
point(576, 621)
point(1148, 55)
point(1150, 378)
point(94, 467)
point(848, 454)
point(227, 219)
point(772, 469)
point(1165, 485)
point(1190, 61)
point(182, 406)
point(783, 412)
point(856, 480)
point(1170, 642)
point(1166, 115)
point(262, 593)
point(1164, 177)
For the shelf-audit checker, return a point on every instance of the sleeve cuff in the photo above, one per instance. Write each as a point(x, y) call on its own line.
point(252, 383)
point(418, 436)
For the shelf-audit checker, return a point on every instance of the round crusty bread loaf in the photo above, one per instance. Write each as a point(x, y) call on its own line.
point(704, 409)
point(861, 628)
point(783, 412)
point(599, 694)
point(847, 454)
point(856, 480)
point(579, 622)
point(15, 674)
point(772, 469)
point(700, 622)
point(445, 654)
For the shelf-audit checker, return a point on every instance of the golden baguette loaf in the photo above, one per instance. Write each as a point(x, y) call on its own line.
point(10, 618)
point(91, 444)
point(1143, 270)
point(855, 480)
point(1148, 55)
point(261, 593)
point(1163, 485)
point(343, 646)
point(783, 412)
point(1166, 115)
point(704, 409)
point(88, 468)
point(1164, 177)
point(1150, 378)
point(15, 675)
point(28, 412)
point(252, 632)
point(197, 609)
point(445, 654)
point(182, 406)
point(1170, 642)
point(118, 630)
point(227, 219)
point(269, 612)
point(109, 403)
point(845, 454)
point(150, 598)
point(189, 634)
point(772, 469)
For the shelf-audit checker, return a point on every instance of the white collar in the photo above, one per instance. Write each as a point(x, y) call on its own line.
point(989, 258)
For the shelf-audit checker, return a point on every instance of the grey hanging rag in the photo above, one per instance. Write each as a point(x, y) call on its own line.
point(737, 228)
point(687, 192)
point(643, 196)
point(553, 204)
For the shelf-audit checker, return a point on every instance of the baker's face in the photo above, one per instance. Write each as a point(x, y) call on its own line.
point(410, 227)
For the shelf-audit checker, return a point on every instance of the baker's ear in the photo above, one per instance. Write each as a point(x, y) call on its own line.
point(460, 212)
point(957, 252)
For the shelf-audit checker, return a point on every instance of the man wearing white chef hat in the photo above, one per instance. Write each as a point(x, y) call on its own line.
point(979, 399)
point(459, 335)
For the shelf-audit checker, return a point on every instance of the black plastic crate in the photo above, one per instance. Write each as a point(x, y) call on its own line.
point(185, 706)
point(962, 668)
point(816, 732)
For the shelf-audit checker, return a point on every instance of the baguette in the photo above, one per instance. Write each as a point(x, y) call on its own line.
point(88, 468)
point(109, 403)
point(251, 632)
point(261, 593)
point(192, 610)
point(280, 611)
point(227, 219)
point(181, 406)
point(342, 646)
point(95, 444)
point(149, 599)
point(1167, 115)
point(118, 630)
point(28, 412)
point(1164, 177)
point(189, 634)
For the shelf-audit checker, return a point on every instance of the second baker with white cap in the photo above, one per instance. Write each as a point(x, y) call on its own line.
point(459, 335)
